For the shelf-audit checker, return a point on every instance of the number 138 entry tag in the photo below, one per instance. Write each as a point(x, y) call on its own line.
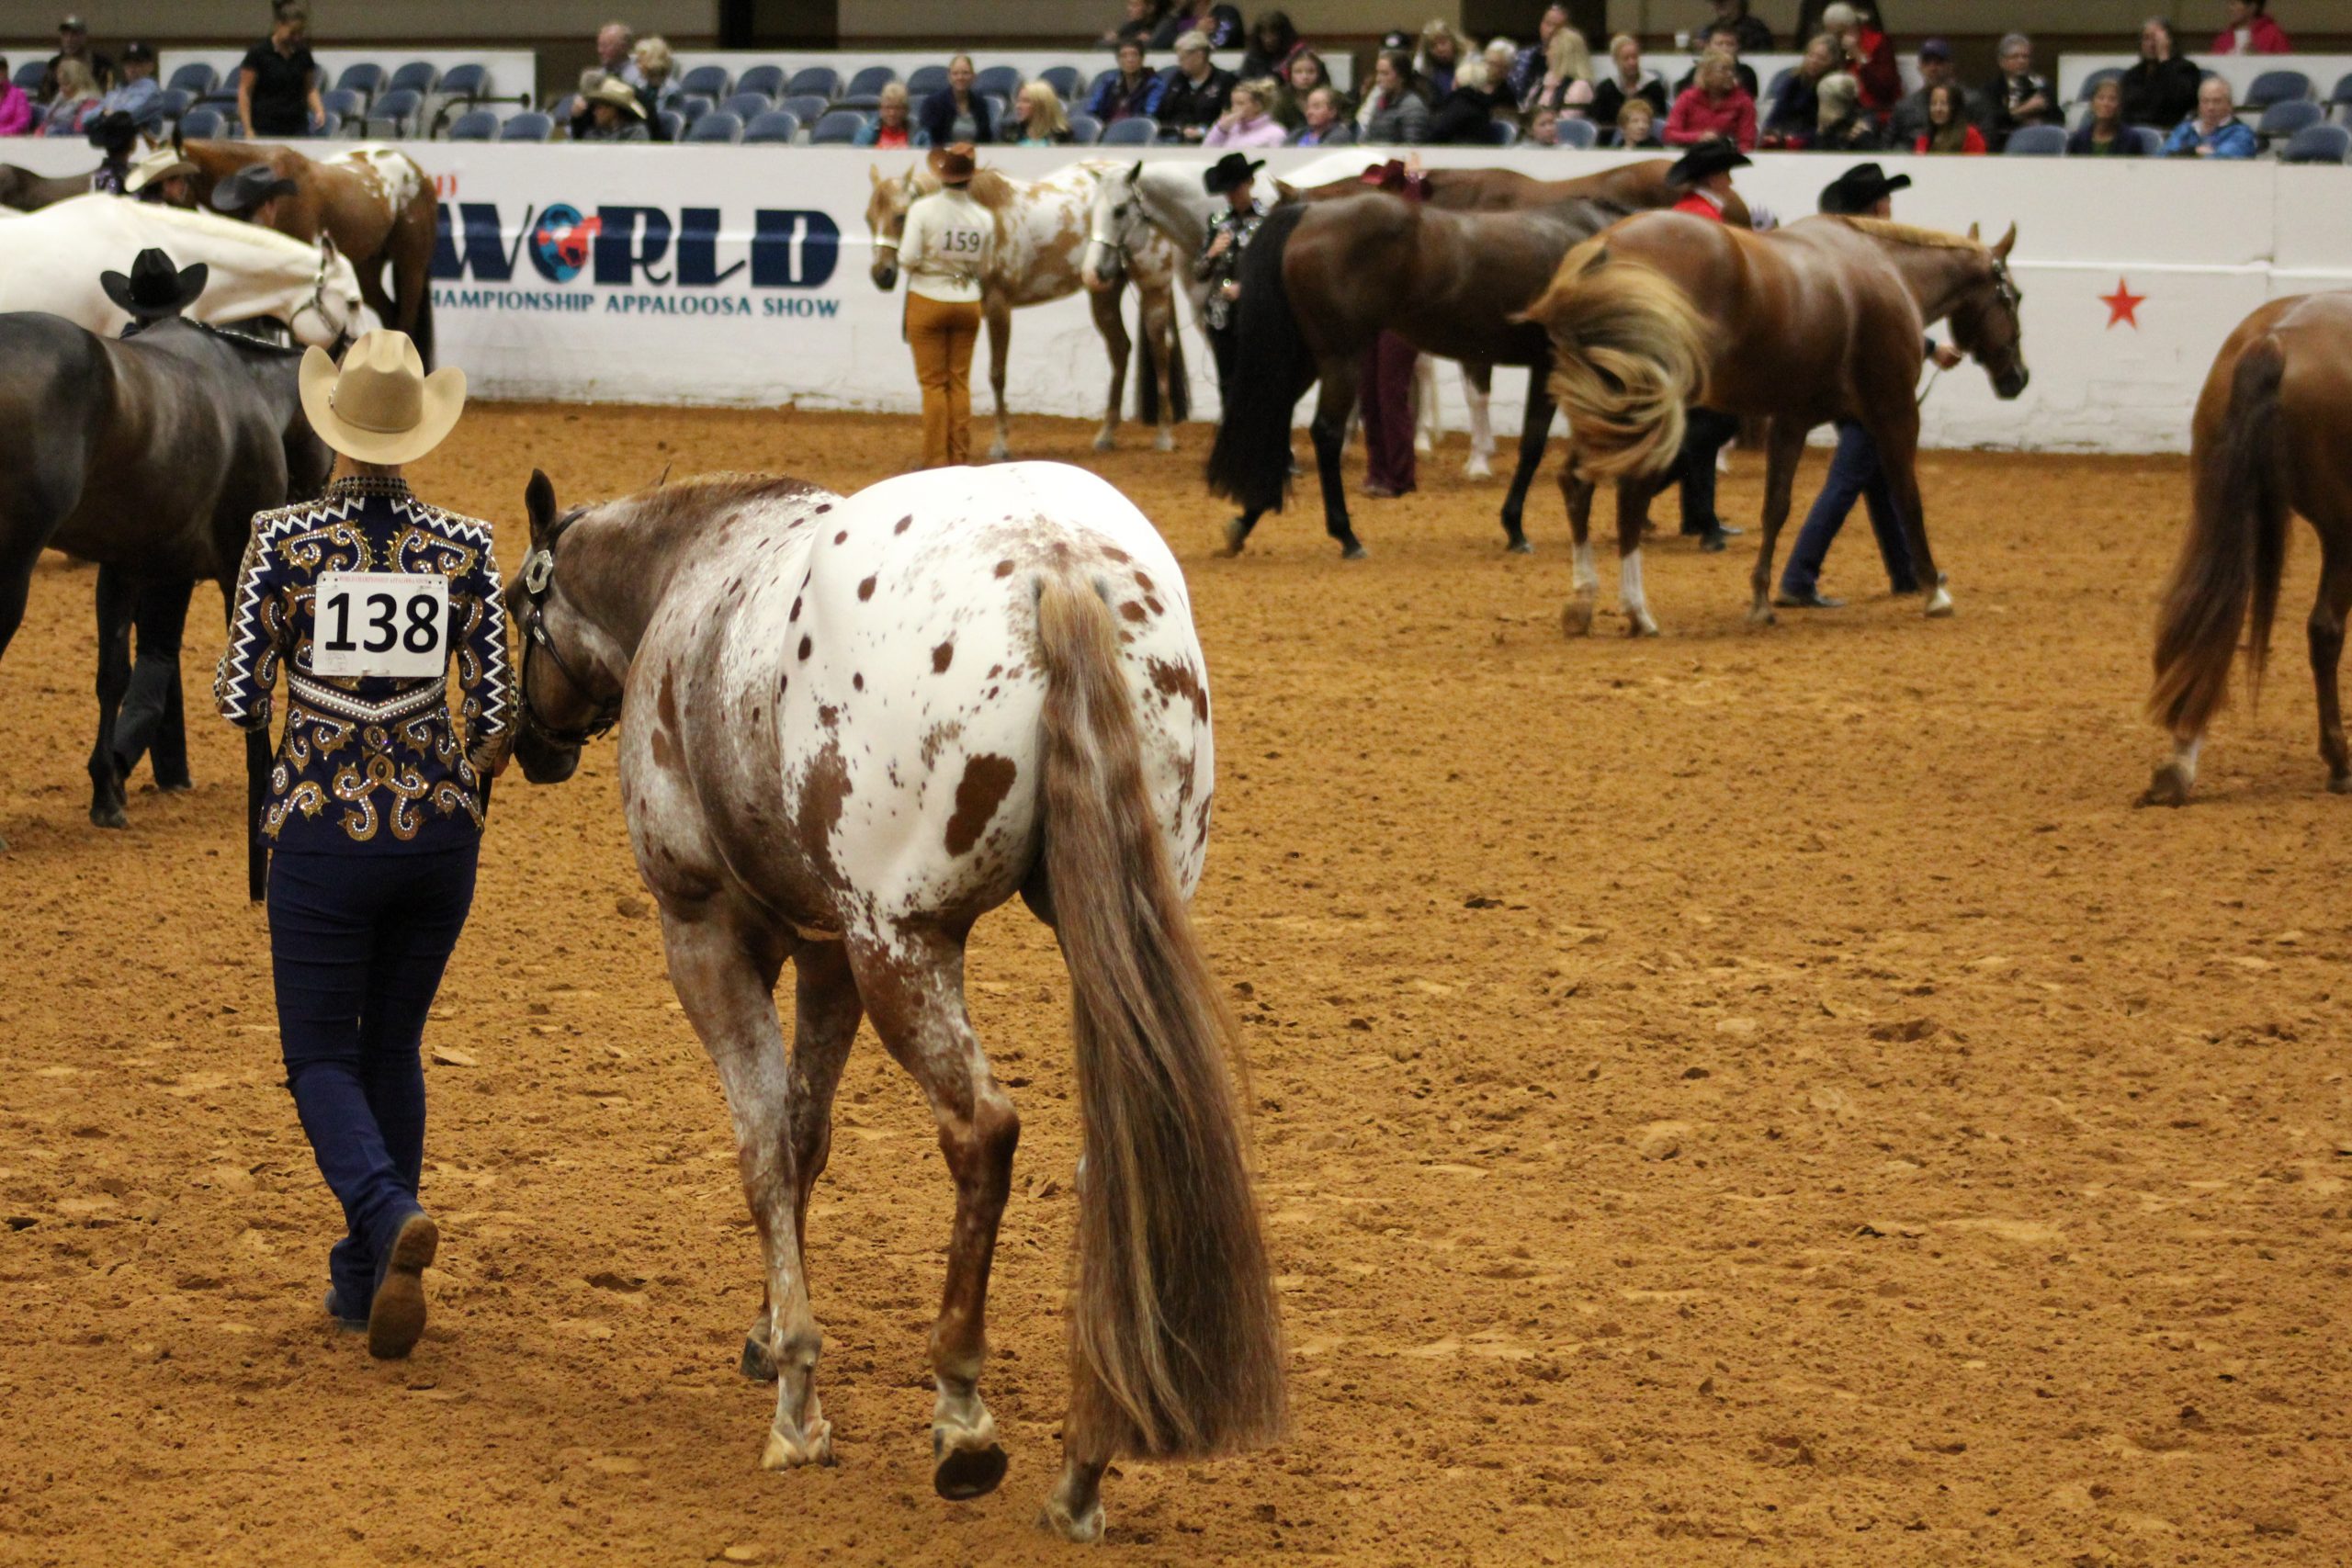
point(390, 624)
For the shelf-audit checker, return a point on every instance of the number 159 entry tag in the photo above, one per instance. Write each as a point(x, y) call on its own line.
point(390, 624)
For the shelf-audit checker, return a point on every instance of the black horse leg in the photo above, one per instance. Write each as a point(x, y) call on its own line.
point(1328, 430)
point(1534, 429)
point(117, 597)
point(15, 580)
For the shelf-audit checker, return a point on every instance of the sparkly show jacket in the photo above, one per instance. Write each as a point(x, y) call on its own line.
point(367, 765)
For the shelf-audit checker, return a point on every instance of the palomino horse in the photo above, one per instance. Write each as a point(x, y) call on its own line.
point(1322, 280)
point(1822, 320)
point(25, 191)
point(152, 454)
point(2272, 436)
point(372, 200)
point(1040, 238)
point(853, 727)
point(255, 274)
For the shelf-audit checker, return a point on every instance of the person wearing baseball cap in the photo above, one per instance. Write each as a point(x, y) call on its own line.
point(73, 43)
point(138, 94)
point(1865, 190)
point(945, 249)
point(1936, 70)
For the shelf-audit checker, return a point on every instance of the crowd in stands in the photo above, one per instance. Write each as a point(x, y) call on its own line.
point(1846, 94)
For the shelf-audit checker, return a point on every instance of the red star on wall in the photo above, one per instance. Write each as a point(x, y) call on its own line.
point(2123, 305)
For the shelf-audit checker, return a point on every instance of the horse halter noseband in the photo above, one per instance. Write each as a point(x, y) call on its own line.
point(539, 577)
point(318, 299)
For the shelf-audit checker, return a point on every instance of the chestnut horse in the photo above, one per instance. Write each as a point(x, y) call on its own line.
point(374, 201)
point(2272, 436)
point(1823, 320)
point(853, 728)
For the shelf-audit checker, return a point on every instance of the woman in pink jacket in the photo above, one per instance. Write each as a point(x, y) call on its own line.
point(16, 110)
point(1249, 120)
point(1713, 107)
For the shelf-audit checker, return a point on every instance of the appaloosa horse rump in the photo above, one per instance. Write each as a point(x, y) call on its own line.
point(853, 727)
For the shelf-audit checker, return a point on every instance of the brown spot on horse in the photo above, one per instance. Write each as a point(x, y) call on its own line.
point(866, 589)
point(1175, 679)
point(987, 780)
point(942, 657)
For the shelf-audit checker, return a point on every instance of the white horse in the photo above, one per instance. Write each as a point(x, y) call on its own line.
point(1040, 232)
point(51, 259)
point(854, 727)
point(1166, 196)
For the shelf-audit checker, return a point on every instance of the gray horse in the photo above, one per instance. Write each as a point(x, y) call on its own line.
point(150, 454)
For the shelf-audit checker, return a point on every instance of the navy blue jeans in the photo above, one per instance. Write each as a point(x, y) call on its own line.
point(357, 943)
point(1854, 474)
point(1707, 434)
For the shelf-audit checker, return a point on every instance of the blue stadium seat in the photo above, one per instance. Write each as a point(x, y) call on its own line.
point(195, 79)
point(868, 102)
point(1136, 130)
point(997, 82)
point(1502, 133)
point(529, 126)
point(837, 127)
point(692, 106)
point(872, 79)
point(717, 126)
point(747, 106)
point(2319, 144)
point(202, 124)
point(2276, 88)
point(808, 105)
point(2282, 120)
point(365, 78)
point(469, 82)
point(768, 79)
point(814, 82)
point(348, 102)
point(398, 109)
point(1085, 130)
point(927, 80)
point(672, 123)
point(2091, 82)
point(2151, 141)
point(2037, 141)
point(1065, 80)
point(710, 80)
point(771, 127)
point(2341, 93)
point(474, 125)
point(29, 73)
point(1577, 133)
point(418, 76)
point(174, 102)
point(1000, 107)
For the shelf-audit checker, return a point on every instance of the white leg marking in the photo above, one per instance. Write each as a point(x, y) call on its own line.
point(1939, 601)
point(1482, 429)
point(1587, 580)
point(1638, 620)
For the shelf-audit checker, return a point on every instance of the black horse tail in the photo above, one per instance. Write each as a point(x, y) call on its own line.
point(423, 336)
point(1250, 462)
point(2234, 556)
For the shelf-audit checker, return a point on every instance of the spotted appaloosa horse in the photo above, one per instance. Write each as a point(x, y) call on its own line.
point(853, 727)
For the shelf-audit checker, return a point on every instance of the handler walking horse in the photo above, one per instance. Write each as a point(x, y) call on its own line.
point(853, 727)
point(2272, 436)
point(1822, 320)
point(1040, 246)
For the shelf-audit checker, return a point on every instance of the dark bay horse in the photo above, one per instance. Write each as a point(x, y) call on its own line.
point(30, 192)
point(152, 454)
point(1819, 320)
point(853, 727)
point(373, 201)
point(2272, 436)
point(1322, 279)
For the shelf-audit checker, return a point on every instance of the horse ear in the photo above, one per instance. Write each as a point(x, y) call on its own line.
point(873, 173)
point(1974, 234)
point(1135, 176)
point(2008, 242)
point(539, 500)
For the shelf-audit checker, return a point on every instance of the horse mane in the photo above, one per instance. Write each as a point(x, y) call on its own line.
point(239, 341)
point(699, 496)
point(1896, 233)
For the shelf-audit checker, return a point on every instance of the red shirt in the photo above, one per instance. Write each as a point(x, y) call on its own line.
point(2263, 37)
point(1974, 141)
point(1698, 206)
point(1697, 118)
point(1878, 76)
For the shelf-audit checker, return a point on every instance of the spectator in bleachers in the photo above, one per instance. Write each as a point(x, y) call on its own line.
point(1626, 80)
point(614, 114)
point(2216, 132)
point(1501, 55)
point(73, 43)
point(1936, 70)
point(1196, 95)
point(1720, 40)
point(1397, 107)
point(1465, 117)
point(277, 85)
point(1795, 112)
point(892, 126)
point(1567, 87)
point(1273, 42)
point(2248, 30)
point(15, 104)
point(1325, 123)
point(956, 113)
point(1844, 125)
point(1037, 117)
point(616, 47)
point(2018, 97)
point(2161, 89)
point(1535, 58)
point(1438, 58)
point(1948, 128)
point(76, 100)
point(1220, 24)
point(655, 65)
point(1302, 74)
point(1715, 107)
point(1250, 121)
point(1141, 21)
point(1130, 92)
point(1543, 128)
point(1867, 54)
point(1636, 125)
point(1752, 35)
point(2106, 134)
point(138, 94)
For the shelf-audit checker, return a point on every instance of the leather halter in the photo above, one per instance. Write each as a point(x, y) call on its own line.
point(539, 577)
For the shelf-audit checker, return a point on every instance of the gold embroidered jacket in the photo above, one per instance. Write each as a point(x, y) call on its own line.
point(367, 765)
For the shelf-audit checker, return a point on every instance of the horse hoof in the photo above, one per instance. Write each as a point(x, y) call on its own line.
point(2337, 784)
point(2170, 787)
point(1084, 1530)
point(1938, 603)
point(968, 1473)
point(1477, 469)
point(1163, 442)
point(1350, 550)
point(108, 816)
point(756, 1364)
point(1640, 625)
point(1105, 442)
point(999, 452)
point(1519, 546)
point(1575, 617)
point(1761, 615)
point(788, 1452)
point(1236, 532)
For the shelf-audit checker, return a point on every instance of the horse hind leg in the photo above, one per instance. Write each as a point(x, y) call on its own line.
point(912, 983)
point(1429, 418)
point(1632, 515)
point(2326, 633)
point(998, 316)
point(1576, 616)
point(118, 601)
point(1477, 390)
point(1785, 448)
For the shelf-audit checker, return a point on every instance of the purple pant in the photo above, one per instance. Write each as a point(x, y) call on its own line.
point(1385, 394)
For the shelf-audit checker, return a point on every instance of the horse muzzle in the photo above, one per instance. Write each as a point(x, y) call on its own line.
point(543, 761)
point(885, 276)
point(2012, 385)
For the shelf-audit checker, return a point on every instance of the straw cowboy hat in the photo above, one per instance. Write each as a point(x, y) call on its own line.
point(620, 95)
point(161, 164)
point(380, 406)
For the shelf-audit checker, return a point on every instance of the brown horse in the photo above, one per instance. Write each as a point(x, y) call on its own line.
point(2273, 436)
point(373, 201)
point(1823, 320)
point(30, 192)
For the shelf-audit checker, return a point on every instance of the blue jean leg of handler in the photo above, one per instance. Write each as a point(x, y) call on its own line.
point(1854, 474)
point(357, 946)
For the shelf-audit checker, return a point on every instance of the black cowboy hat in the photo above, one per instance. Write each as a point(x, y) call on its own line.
point(1706, 159)
point(155, 289)
point(114, 132)
point(1860, 189)
point(1230, 173)
point(249, 187)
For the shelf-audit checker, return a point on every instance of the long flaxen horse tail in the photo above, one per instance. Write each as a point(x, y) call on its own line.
point(1175, 1342)
point(1628, 355)
point(2233, 558)
point(1250, 462)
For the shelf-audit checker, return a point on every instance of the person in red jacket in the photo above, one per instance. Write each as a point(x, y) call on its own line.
point(1868, 54)
point(1715, 107)
point(2251, 30)
point(1948, 127)
point(1706, 169)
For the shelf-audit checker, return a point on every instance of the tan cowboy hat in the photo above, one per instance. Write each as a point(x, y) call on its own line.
point(159, 164)
point(620, 95)
point(955, 165)
point(380, 406)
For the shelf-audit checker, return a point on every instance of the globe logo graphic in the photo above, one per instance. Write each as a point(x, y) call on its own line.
point(560, 240)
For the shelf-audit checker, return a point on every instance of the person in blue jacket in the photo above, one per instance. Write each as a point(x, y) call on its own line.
point(2214, 131)
point(956, 113)
point(1129, 91)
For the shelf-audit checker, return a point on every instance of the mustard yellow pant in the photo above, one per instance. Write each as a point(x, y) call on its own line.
point(942, 334)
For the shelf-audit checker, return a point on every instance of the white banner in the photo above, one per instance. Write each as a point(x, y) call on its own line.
point(739, 274)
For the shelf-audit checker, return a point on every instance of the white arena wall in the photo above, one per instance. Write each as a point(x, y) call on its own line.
point(737, 275)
